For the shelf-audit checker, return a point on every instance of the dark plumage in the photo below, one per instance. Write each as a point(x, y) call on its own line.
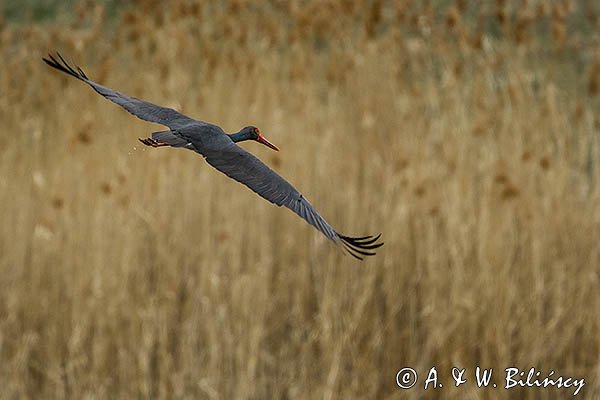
point(221, 151)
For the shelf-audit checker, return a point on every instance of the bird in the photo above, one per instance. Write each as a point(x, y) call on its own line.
point(221, 151)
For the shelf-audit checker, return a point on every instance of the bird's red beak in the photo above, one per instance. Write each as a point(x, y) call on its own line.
point(263, 140)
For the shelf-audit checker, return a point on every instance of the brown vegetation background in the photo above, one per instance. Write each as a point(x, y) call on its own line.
point(465, 132)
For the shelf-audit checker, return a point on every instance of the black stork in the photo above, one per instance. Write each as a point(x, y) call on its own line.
point(221, 151)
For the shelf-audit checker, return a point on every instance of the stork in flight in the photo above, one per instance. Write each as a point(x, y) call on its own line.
point(221, 151)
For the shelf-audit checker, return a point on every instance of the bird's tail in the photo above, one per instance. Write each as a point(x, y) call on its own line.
point(169, 138)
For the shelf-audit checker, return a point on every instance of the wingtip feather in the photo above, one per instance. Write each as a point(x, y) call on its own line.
point(63, 66)
point(359, 247)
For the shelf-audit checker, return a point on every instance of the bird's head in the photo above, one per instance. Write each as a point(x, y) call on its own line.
point(253, 133)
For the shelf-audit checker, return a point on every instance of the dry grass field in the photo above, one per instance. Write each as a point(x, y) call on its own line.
point(467, 133)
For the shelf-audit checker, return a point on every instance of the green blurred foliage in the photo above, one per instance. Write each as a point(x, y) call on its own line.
point(19, 11)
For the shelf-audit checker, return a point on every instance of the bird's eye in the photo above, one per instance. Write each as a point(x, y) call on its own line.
point(256, 131)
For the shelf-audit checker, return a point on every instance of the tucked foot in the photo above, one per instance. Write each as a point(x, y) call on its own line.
point(152, 142)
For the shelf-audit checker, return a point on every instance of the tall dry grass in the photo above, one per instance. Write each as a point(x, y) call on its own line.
point(467, 134)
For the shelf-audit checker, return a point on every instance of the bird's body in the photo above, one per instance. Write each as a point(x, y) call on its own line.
point(220, 150)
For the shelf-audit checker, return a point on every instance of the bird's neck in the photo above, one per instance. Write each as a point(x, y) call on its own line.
point(239, 137)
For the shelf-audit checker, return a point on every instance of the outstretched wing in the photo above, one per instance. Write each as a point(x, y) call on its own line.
point(139, 108)
point(242, 166)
